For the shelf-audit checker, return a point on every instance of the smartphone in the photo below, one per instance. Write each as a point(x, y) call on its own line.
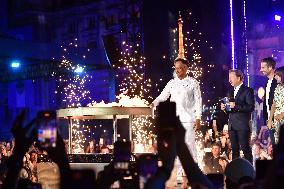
point(147, 167)
point(47, 130)
point(166, 118)
point(122, 157)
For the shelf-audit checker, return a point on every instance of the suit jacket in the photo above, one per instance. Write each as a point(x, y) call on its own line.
point(270, 99)
point(240, 116)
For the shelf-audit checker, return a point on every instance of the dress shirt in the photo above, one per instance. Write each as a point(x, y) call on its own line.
point(236, 89)
point(267, 91)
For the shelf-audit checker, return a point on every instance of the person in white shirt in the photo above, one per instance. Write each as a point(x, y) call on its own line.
point(267, 67)
point(185, 92)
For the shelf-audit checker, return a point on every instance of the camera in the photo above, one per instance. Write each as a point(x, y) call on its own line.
point(47, 130)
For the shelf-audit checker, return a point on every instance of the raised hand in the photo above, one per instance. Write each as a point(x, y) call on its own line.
point(24, 135)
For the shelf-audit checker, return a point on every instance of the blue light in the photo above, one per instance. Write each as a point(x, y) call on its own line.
point(15, 64)
point(232, 35)
point(79, 70)
point(277, 17)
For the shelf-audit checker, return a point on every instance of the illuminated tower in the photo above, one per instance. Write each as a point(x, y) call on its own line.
point(180, 39)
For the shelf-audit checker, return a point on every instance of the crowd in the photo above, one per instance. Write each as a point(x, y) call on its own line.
point(217, 161)
point(91, 148)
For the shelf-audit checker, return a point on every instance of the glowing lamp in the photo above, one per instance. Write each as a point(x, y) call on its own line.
point(260, 92)
point(15, 64)
point(79, 70)
point(277, 17)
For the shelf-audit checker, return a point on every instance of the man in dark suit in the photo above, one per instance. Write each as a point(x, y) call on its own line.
point(241, 107)
point(267, 67)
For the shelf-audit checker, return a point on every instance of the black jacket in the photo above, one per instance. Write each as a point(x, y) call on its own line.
point(240, 116)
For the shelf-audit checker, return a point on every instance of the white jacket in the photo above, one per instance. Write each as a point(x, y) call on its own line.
point(187, 96)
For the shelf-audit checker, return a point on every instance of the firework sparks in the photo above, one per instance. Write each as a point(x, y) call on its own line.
point(143, 134)
point(133, 82)
point(71, 89)
point(134, 88)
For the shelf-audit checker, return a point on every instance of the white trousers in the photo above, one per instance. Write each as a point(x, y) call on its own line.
point(190, 138)
point(177, 172)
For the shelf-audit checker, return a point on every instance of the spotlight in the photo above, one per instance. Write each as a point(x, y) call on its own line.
point(277, 17)
point(15, 64)
point(79, 70)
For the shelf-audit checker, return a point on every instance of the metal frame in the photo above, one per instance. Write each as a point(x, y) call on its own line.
point(113, 113)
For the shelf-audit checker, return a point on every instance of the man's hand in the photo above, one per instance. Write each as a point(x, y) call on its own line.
point(154, 104)
point(232, 105)
point(223, 163)
point(223, 141)
point(197, 124)
point(24, 135)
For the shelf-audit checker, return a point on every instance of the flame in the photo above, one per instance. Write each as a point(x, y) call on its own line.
point(124, 101)
point(127, 101)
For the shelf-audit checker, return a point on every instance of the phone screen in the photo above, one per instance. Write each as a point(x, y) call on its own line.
point(147, 166)
point(47, 131)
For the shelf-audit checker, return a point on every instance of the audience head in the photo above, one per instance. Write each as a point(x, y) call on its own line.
point(3, 151)
point(33, 156)
point(256, 148)
point(236, 170)
point(216, 149)
point(279, 75)
point(92, 143)
point(104, 150)
point(222, 106)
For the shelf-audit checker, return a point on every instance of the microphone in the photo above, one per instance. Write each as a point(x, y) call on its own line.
point(226, 101)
